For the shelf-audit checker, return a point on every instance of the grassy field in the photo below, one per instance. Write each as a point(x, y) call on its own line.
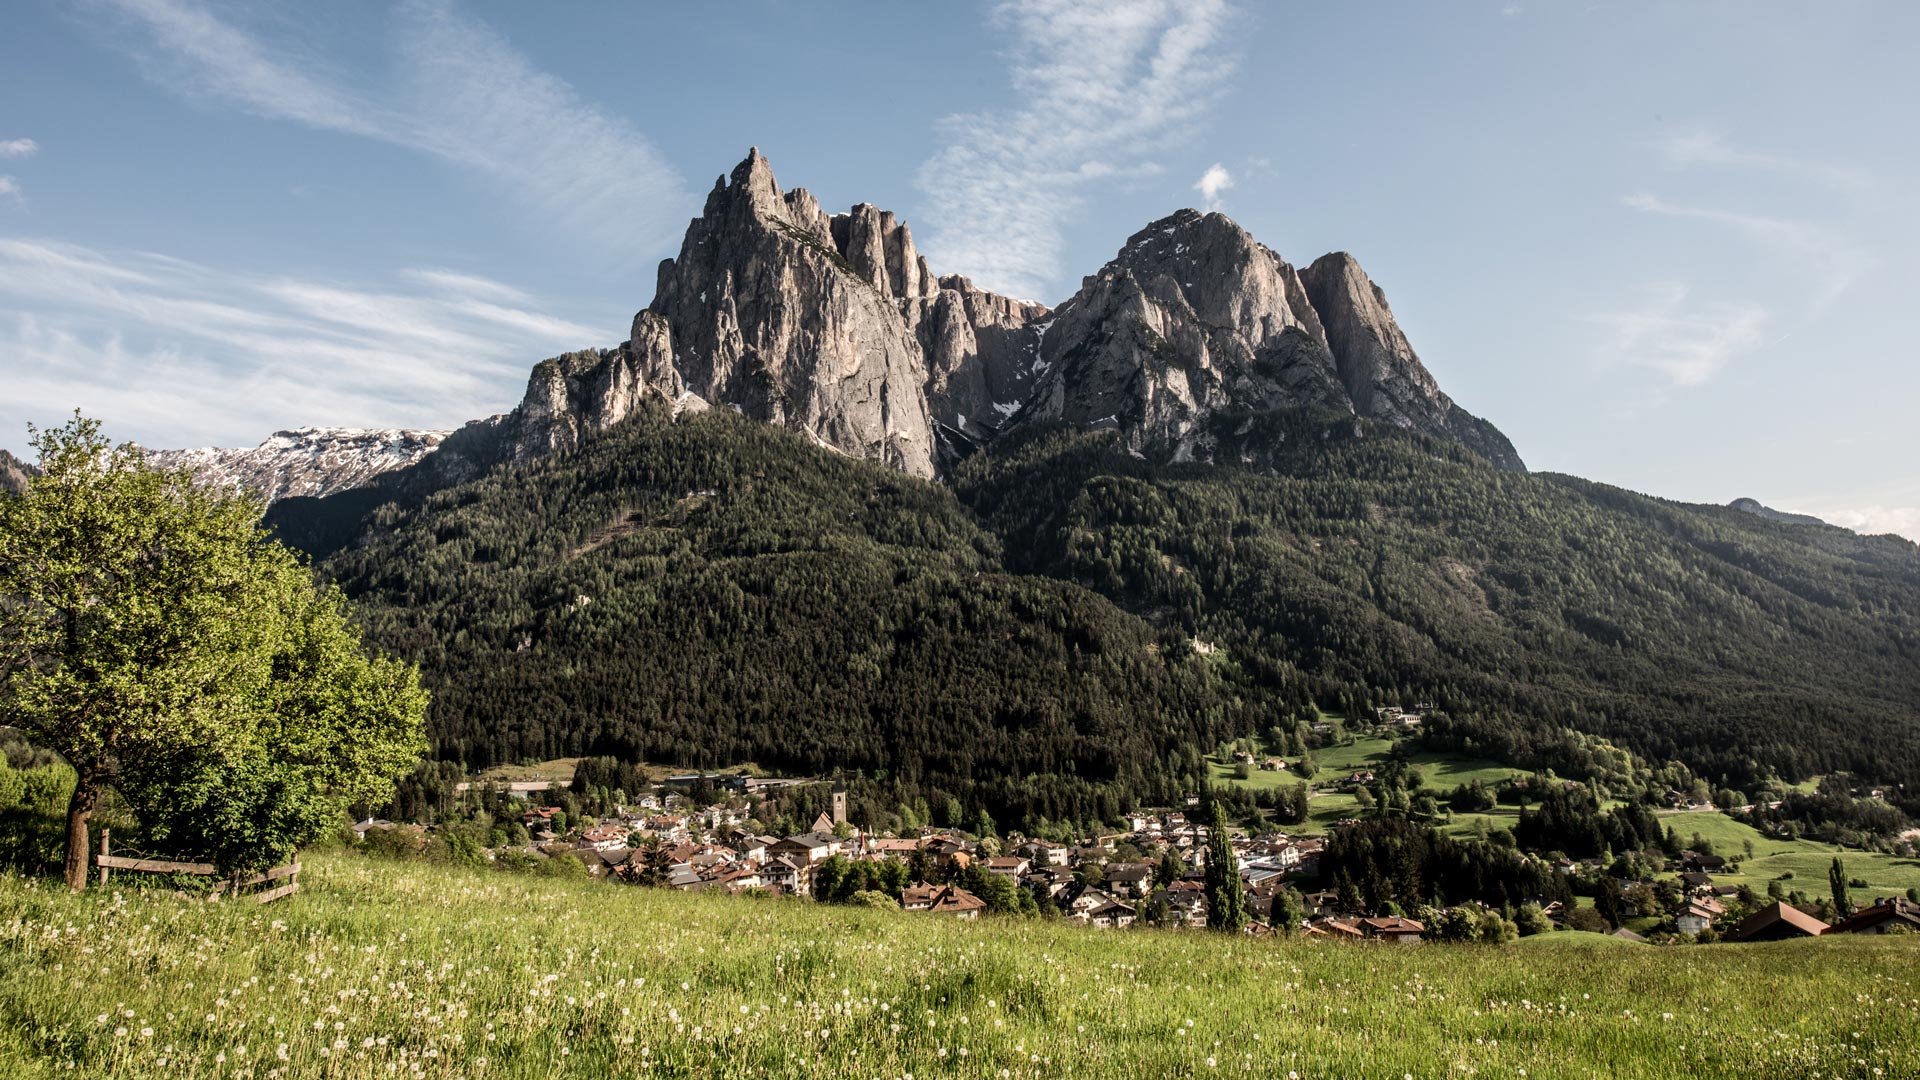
point(1808, 860)
point(382, 969)
point(1443, 772)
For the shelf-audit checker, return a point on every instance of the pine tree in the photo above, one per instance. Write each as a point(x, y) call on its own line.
point(1226, 900)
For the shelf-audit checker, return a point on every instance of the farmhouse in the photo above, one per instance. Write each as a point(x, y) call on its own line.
point(1776, 921)
point(1890, 914)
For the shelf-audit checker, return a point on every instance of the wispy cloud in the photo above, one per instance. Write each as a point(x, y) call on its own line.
point(1211, 183)
point(1874, 520)
point(1683, 150)
point(1833, 261)
point(18, 148)
point(1102, 87)
point(173, 353)
point(459, 91)
point(9, 188)
point(1687, 343)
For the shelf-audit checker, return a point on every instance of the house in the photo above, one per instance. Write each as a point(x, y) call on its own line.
point(1360, 779)
point(1321, 902)
point(812, 847)
point(605, 837)
point(1113, 915)
point(1705, 864)
point(949, 900)
point(1625, 934)
point(1273, 764)
point(362, 828)
point(1777, 921)
point(1337, 929)
point(1884, 915)
point(1130, 879)
point(1693, 880)
point(1007, 866)
point(1393, 929)
point(788, 874)
point(1697, 915)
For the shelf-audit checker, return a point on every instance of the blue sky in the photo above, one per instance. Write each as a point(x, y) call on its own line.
point(1672, 247)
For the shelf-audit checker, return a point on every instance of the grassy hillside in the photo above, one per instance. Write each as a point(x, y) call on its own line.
point(381, 969)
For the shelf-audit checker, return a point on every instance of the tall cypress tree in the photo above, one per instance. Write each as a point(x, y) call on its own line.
point(1837, 876)
point(1226, 900)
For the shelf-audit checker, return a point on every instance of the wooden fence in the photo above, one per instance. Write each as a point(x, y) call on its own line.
point(287, 877)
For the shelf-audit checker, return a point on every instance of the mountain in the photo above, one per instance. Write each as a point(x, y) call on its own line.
point(1195, 322)
point(719, 542)
point(706, 590)
point(13, 473)
point(836, 326)
point(1753, 506)
point(308, 461)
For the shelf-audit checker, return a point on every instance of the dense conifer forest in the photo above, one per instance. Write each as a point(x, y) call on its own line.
point(1063, 629)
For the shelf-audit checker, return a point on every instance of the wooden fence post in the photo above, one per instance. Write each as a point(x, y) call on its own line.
point(106, 849)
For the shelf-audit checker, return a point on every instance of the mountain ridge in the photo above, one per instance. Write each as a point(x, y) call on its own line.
point(836, 326)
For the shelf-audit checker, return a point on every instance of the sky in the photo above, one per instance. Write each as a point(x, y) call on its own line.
point(1673, 247)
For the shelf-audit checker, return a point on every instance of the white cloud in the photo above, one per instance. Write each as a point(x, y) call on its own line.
point(1684, 150)
point(459, 91)
point(1873, 520)
point(1102, 86)
point(1833, 261)
point(18, 148)
point(1212, 182)
point(1689, 344)
point(9, 187)
point(173, 353)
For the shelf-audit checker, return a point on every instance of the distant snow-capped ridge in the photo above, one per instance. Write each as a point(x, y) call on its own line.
point(311, 461)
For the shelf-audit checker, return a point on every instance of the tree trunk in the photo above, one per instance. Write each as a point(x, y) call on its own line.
point(79, 809)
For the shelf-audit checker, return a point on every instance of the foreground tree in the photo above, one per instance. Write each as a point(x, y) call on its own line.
point(152, 635)
point(1837, 878)
point(1226, 898)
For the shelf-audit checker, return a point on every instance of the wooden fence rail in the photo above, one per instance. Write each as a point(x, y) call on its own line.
point(288, 875)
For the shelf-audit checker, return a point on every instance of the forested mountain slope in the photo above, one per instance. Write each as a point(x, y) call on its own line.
point(714, 590)
point(1366, 557)
point(710, 590)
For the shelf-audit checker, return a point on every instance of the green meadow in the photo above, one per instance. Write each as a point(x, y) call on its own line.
point(382, 969)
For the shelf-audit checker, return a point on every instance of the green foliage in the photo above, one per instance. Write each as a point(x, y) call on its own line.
point(153, 636)
point(1226, 896)
point(711, 591)
point(1359, 559)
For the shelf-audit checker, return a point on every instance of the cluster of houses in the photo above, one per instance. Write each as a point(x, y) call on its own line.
point(1089, 882)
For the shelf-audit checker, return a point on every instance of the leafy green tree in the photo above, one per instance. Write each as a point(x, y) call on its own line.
point(650, 862)
point(1170, 868)
point(153, 636)
point(1837, 877)
point(1226, 899)
point(1289, 908)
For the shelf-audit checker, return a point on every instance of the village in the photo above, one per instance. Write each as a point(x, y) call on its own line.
point(1151, 874)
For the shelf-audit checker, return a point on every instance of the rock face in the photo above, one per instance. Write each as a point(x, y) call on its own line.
point(13, 474)
point(1195, 322)
point(835, 326)
point(831, 325)
point(309, 461)
point(1757, 509)
point(1383, 377)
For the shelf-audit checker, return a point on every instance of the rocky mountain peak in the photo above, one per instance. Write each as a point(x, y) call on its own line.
point(1381, 373)
point(309, 461)
point(13, 473)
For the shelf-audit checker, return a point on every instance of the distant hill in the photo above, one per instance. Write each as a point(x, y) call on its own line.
point(1753, 506)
